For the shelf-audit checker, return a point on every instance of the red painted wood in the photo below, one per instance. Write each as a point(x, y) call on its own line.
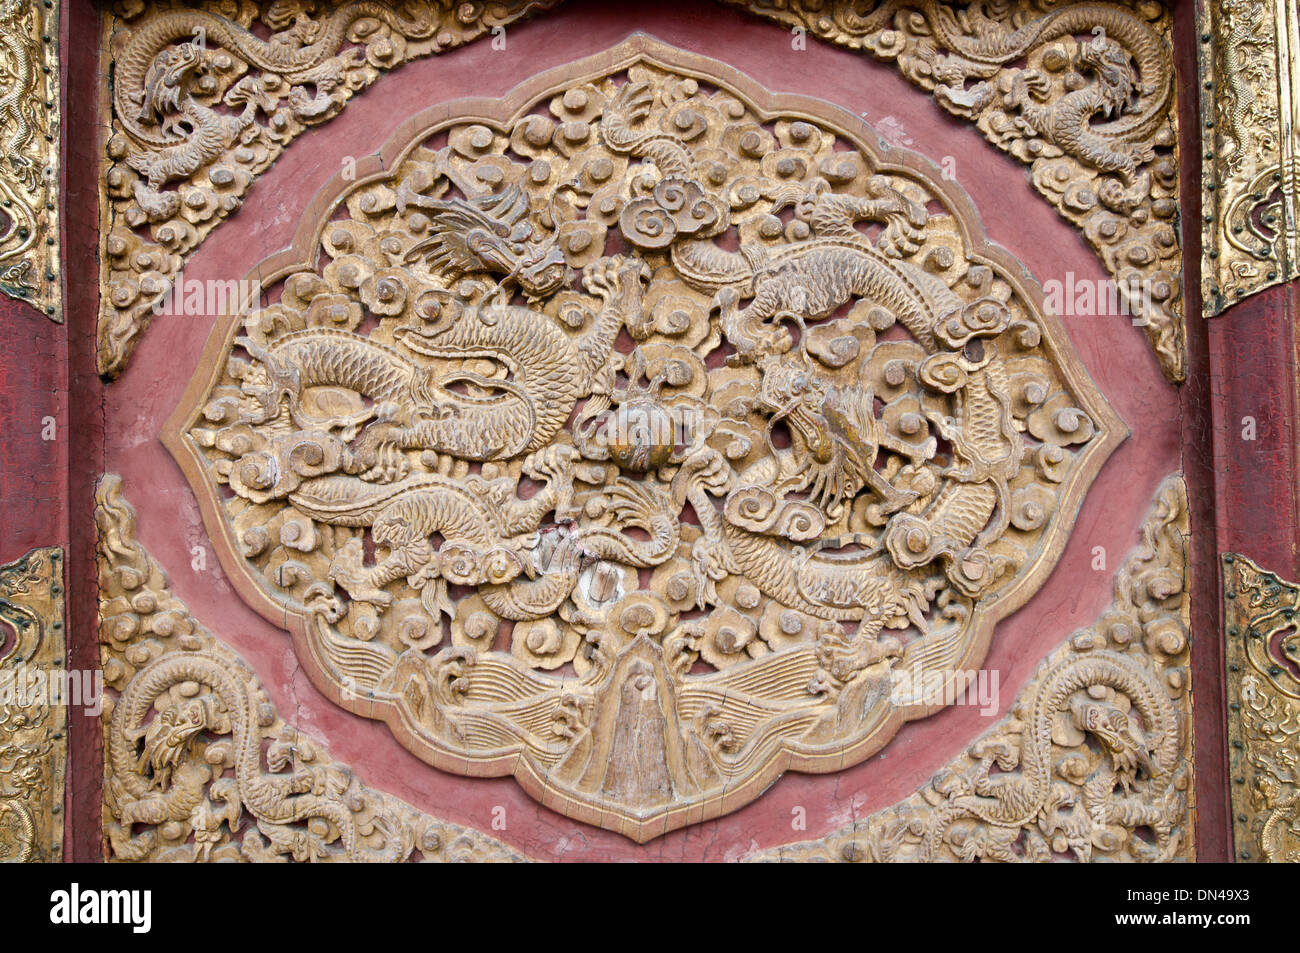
point(83, 148)
point(1243, 493)
point(1115, 354)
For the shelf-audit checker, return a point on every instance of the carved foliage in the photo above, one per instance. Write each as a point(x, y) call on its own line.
point(1082, 92)
point(529, 480)
point(198, 765)
point(29, 167)
point(206, 96)
point(1094, 763)
point(1262, 655)
point(1250, 77)
point(33, 708)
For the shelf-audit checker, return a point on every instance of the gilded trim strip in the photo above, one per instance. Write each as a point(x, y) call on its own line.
point(1263, 679)
point(1250, 89)
point(33, 710)
point(29, 137)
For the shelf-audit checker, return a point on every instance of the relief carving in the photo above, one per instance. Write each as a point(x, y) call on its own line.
point(199, 767)
point(1091, 110)
point(1094, 762)
point(1262, 652)
point(29, 171)
point(626, 438)
point(1082, 92)
point(205, 97)
point(1250, 104)
point(33, 708)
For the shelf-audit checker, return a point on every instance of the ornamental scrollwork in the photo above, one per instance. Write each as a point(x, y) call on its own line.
point(206, 96)
point(33, 708)
point(1250, 75)
point(1262, 652)
point(198, 766)
point(1082, 92)
point(29, 169)
point(1094, 762)
point(631, 438)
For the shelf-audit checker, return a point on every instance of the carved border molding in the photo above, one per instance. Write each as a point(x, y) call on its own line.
point(1099, 138)
point(216, 774)
point(33, 708)
point(29, 137)
point(1263, 680)
point(201, 105)
point(1110, 711)
point(1115, 178)
point(1250, 80)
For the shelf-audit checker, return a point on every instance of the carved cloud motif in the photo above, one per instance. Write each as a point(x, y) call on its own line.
point(634, 435)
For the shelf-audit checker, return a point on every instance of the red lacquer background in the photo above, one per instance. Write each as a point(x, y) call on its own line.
point(1241, 365)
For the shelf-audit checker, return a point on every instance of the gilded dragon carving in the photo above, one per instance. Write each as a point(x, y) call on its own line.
point(199, 767)
point(205, 97)
point(1094, 763)
point(627, 439)
point(29, 172)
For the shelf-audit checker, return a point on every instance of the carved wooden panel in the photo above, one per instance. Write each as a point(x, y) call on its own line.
point(626, 435)
point(1096, 754)
point(198, 764)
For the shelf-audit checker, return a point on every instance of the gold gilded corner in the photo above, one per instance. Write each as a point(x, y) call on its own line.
point(1261, 654)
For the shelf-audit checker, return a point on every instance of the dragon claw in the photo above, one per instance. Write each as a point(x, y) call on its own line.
point(610, 276)
point(552, 464)
point(347, 569)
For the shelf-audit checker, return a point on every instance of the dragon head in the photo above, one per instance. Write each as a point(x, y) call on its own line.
point(834, 423)
point(491, 234)
point(1108, 60)
point(1119, 735)
point(165, 80)
point(167, 737)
